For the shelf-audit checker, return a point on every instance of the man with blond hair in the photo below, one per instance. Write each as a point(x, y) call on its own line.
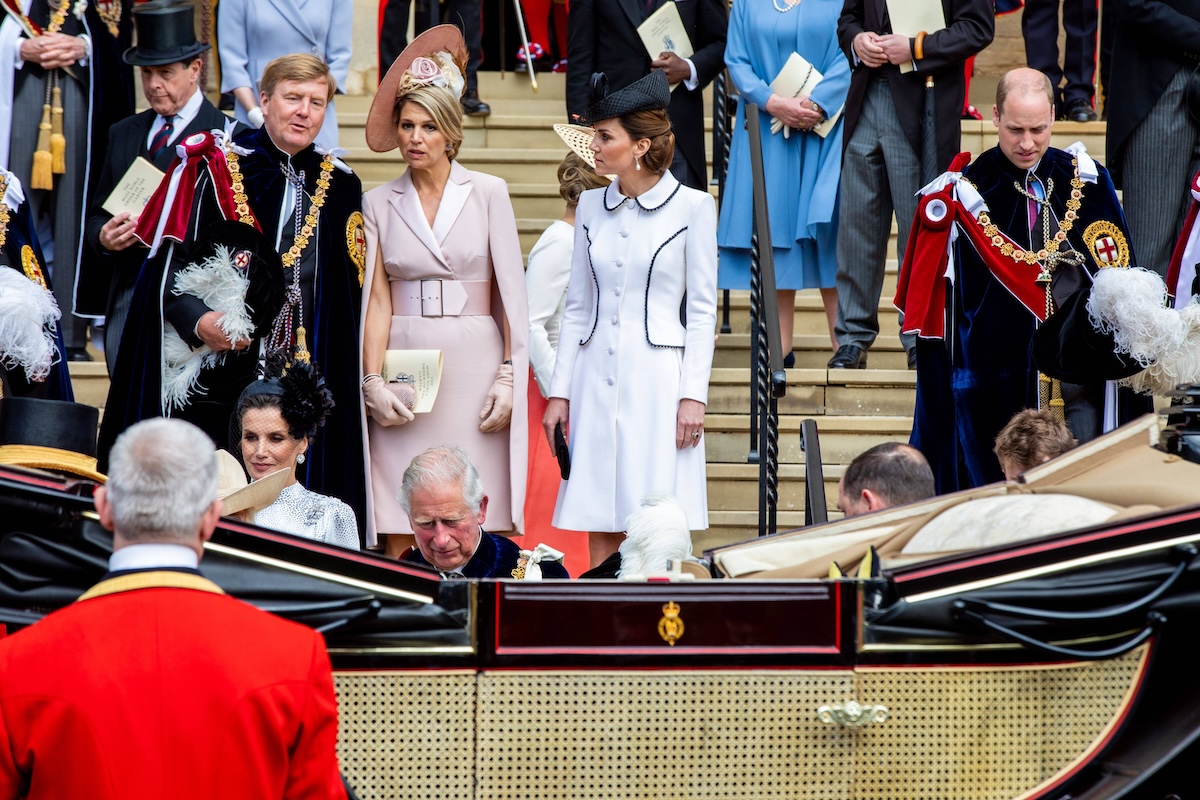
point(308, 203)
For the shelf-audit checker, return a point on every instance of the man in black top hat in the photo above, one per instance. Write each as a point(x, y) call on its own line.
point(168, 58)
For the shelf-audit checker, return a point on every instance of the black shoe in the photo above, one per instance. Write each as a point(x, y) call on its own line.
point(849, 356)
point(1081, 111)
point(912, 358)
point(78, 354)
point(789, 361)
point(473, 106)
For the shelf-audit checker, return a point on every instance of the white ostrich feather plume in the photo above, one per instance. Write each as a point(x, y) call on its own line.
point(28, 314)
point(655, 533)
point(222, 287)
point(1131, 304)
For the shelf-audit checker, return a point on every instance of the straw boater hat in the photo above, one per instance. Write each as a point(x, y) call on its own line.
point(238, 495)
point(579, 139)
point(442, 53)
point(651, 92)
point(52, 435)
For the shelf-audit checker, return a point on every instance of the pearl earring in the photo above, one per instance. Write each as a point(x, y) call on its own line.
point(637, 163)
point(300, 458)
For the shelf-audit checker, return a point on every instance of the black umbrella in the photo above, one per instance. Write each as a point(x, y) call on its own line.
point(929, 162)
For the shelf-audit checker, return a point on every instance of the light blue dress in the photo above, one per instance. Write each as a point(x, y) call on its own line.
point(803, 171)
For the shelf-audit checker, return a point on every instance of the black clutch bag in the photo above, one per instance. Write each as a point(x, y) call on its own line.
point(561, 452)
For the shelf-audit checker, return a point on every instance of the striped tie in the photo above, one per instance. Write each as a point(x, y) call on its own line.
point(162, 137)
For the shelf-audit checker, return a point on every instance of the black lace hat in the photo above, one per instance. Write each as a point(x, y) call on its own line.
point(166, 34)
point(652, 91)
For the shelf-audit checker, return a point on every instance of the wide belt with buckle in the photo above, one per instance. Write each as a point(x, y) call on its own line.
point(433, 297)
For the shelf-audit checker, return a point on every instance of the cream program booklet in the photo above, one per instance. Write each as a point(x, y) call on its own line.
point(423, 366)
point(798, 78)
point(133, 191)
point(910, 17)
point(663, 32)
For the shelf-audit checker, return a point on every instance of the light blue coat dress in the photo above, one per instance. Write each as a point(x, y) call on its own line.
point(803, 171)
point(252, 33)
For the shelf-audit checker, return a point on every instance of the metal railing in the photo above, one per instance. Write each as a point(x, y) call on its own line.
point(769, 381)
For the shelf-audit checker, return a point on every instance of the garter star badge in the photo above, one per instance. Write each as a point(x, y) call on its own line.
point(1107, 245)
point(356, 244)
point(31, 267)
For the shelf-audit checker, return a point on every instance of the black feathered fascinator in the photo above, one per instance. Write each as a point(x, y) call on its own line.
point(652, 91)
point(304, 399)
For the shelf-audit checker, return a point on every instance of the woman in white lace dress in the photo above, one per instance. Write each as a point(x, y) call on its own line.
point(277, 417)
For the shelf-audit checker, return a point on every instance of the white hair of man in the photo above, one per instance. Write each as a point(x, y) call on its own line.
point(654, 535)
point(442, 466)
point(162, 477)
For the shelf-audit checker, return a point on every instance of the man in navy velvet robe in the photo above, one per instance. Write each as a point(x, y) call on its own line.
point(972, 382)
point(443, 495)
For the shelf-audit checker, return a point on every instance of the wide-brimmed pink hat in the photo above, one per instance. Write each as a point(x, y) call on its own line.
point(381, 131)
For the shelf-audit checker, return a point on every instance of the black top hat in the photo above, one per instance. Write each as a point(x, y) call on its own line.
point(49, 434)
point(166, 33)
point(1069, 347)
point(253, 252)
point(652, 91)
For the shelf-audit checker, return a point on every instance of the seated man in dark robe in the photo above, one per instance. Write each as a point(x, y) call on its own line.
point(1035, 223)
point(32, 359)
point(443, 495)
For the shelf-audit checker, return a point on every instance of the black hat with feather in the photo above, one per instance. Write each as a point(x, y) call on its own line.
point(651, 92)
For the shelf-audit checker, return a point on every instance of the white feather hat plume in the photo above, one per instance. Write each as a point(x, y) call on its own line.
point(28, 314)
point(1131, 304)
point(222, 286)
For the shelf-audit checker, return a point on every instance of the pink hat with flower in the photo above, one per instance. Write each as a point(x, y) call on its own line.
point(435, 58)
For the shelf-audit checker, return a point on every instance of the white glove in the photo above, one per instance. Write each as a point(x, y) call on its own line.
point(384, 407)
point(255, 116)
point(497, 408)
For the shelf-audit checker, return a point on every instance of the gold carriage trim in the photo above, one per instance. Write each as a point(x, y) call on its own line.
point(1106, 244)
point(356, 244)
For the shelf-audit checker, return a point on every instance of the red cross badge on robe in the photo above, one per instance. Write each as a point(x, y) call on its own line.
point(1107, 244)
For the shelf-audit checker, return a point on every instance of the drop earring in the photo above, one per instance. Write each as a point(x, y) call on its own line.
point(637, 163)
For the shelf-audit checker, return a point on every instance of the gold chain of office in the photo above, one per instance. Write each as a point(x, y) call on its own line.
point(1030, 257)
point(292, 256)
point(3, 211)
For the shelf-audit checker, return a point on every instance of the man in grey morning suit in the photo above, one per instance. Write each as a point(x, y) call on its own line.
point(168, 58)
point(881, 165)
point(1153, 135)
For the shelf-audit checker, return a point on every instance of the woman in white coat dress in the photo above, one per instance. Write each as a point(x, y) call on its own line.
point(252, 33)
point(635, 347)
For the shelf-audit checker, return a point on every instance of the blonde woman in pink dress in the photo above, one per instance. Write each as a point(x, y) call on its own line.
point(444, 272)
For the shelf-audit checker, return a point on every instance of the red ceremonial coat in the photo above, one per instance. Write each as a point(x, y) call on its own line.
point(157, 685)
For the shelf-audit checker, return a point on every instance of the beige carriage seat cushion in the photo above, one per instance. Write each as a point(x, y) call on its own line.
point(992, 521)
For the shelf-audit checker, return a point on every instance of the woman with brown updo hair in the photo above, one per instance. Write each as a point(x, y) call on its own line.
point(635, 347)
